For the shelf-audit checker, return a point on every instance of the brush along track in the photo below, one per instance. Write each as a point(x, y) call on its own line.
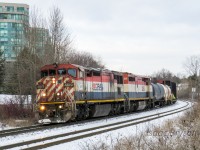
point(90, 131)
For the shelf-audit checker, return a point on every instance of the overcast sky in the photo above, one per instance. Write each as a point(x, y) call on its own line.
point(138, 36)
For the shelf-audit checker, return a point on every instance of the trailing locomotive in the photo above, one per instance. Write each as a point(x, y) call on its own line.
point(67, 92)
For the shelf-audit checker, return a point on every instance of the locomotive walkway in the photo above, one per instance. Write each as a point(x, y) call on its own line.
point(79, 134)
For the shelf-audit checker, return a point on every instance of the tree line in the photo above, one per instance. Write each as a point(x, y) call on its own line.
point(47, 41)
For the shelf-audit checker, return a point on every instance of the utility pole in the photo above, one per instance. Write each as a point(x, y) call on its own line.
point(193, 93)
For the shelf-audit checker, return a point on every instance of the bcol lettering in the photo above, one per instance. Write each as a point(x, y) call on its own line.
point(97, 86)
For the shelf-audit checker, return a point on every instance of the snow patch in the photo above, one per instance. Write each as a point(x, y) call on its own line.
point(15, 99)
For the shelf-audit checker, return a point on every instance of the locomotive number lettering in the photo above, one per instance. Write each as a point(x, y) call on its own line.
point(97, 86)
point(40, 86)
point(67, 84)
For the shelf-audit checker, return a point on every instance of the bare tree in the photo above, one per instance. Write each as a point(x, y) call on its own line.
point(85, 58)
point(38, 35)
point(166, 75)
point(36, 18)
point(60, 38)
point(192, 66)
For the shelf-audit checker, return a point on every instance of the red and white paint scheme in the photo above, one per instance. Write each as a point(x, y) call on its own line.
point(68, 91)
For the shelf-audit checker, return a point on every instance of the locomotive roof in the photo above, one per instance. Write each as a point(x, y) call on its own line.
point(82, 68)
point(92, 69)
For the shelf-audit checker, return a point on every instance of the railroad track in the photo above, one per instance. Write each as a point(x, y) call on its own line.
point(75, 135)
point(15, 131)
point(22, 130)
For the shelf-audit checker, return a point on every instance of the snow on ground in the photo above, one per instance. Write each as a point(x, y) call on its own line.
point(109, 137)
point(112, 137)
point(4, 126)
point(5, 99)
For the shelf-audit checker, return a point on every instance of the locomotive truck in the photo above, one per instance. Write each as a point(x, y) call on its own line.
point(69, 92)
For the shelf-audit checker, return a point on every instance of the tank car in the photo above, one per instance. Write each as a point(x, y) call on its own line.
point(72, 92)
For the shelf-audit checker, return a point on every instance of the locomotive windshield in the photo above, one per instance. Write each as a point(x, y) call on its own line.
point(61, 71)
point(44, 73)
point(52, 72)
point(72, 72)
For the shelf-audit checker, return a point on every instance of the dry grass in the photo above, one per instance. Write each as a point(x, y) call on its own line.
point(179, 134)
point(19, 123)
point(20, 119)
point(15, 115)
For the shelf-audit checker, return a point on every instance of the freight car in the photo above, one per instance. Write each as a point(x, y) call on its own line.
point(68, 92)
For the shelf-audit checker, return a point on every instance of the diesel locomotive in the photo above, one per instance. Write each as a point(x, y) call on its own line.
point(68, 92)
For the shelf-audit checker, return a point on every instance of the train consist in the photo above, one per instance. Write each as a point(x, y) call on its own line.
point(68, 92)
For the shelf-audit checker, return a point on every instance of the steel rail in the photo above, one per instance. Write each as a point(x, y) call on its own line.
point(120, 125)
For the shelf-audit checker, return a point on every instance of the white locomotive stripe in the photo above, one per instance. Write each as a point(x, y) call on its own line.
point(65, 89)
point(60, 85)
point(39, 92)
point(59, 88)
point(51, 89)
point(60, 78)
point(49, 84)
point(137, 88)
point(106, 87)
point(51, 97)
point(45, 80)
point(69, 94)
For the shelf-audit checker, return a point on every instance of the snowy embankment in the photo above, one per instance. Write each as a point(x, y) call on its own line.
point(5, 98)
point(109, 137)
point(14, 99)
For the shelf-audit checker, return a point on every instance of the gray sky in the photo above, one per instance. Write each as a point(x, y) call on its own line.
point(138, 36)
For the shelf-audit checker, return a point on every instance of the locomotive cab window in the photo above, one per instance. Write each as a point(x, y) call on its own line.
point(52, 72)
point(119, 79)
point(89, 73)
point(61, 71)
point(96, 73)
point(44, 73)
point(72, 72)
point(131, 79)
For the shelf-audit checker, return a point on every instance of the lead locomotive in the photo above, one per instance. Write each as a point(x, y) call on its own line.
point(67, 92)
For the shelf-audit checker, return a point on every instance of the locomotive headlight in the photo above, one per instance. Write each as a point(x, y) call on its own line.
point(58, 94)
point(42, 108)
point(60, 106)
point(53, 80)
point(43, 94)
